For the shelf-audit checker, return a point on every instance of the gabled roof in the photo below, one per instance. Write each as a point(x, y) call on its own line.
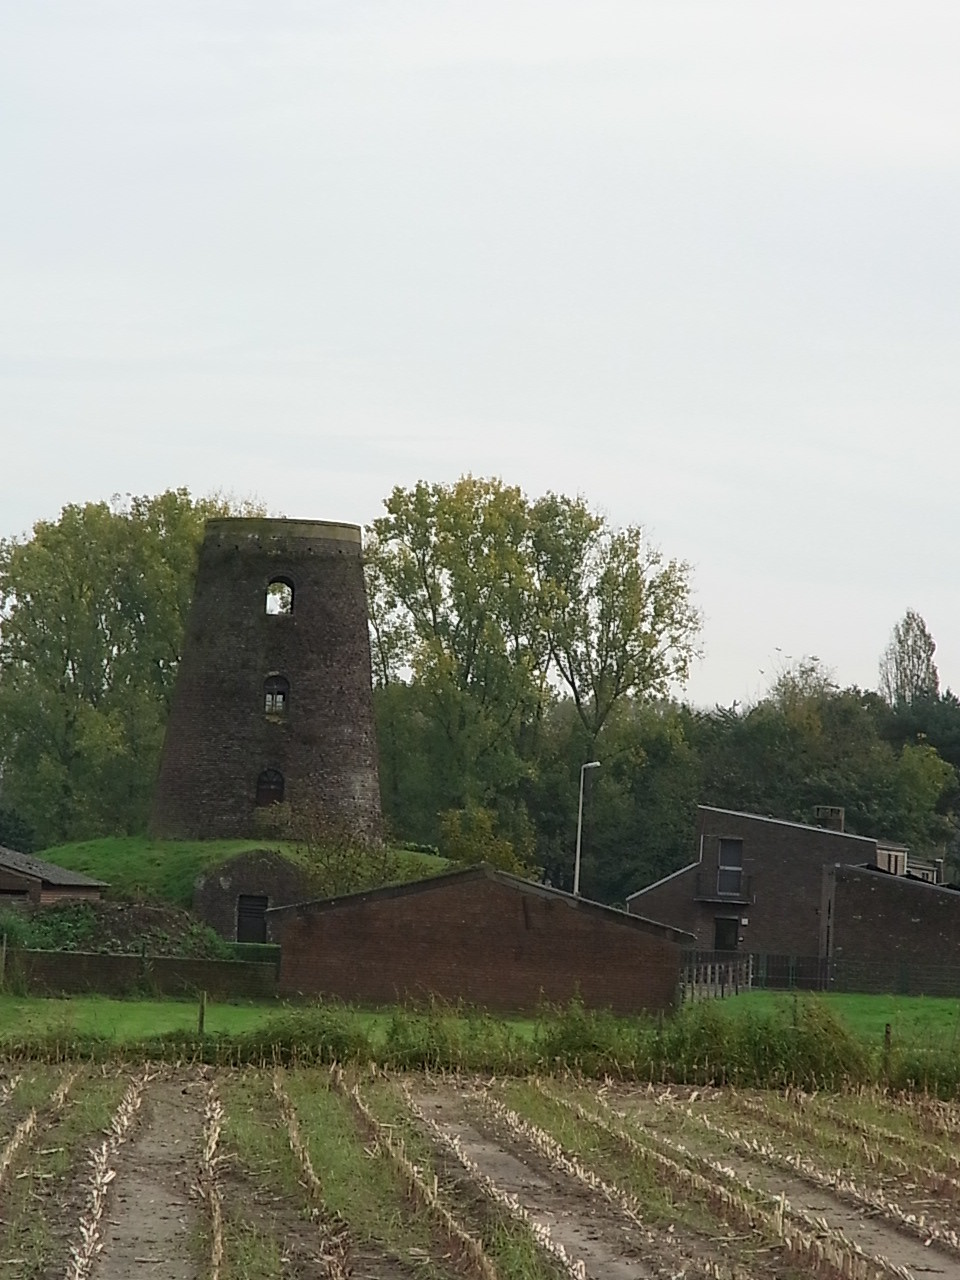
point(25, 864)
point(801, 826)
point(485, 872)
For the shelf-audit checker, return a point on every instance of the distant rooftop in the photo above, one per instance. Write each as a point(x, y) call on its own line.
point(26, 865)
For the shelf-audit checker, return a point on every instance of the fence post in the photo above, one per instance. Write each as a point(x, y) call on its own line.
point(202, 1013)
point(3, 963)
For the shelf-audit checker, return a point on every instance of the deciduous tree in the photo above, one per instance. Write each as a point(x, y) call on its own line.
point(92, 608)
point(908, 672)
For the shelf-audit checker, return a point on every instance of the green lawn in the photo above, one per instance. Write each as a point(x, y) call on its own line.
point(132, 1020)
point(23, 1017)
point(128, 1021)
point(138, 867)
point(921, 1022)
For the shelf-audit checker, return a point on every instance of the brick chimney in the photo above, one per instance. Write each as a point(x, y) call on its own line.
point(829, 816)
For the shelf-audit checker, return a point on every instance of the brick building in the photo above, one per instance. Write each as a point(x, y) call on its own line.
point(233, 897)
point(477, 935)
point(885, 930)
point(756, 885)
point(273, 709)
point(25, 879)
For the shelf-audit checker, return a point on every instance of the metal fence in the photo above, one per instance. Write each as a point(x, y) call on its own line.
point(712, 974)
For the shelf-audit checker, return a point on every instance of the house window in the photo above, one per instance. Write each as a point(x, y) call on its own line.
point(276, 695)
point(252, 918)
point(726, 933)
point(730, 867)
point(279, 600)
point(269, 788)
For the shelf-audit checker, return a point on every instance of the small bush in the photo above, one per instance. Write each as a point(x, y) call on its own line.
point(589, 1040)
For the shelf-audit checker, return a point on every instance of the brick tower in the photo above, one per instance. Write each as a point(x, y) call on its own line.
point(272, 709)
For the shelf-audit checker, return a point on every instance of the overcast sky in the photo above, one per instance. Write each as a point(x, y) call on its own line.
point(698, 261)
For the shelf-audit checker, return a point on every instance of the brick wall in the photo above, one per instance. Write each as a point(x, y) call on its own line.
point(782, 865)
point(874, 917)
point(73, 972)
point(261, 872)
point(473, 939)
point(219, 738)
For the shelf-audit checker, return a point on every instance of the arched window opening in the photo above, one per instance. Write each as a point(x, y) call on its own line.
point(276, 695)
point(269, 788)
point(279, 597)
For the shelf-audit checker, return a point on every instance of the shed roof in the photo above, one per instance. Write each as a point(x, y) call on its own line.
point(26, 865)
point(869, 871)
point(484, 871)
point(801, 826)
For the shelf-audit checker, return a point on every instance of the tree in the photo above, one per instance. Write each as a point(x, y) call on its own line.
point(453, 610)
point(488, 604)
point(471, 836)
point(619, 617)
point(92, 608)
point(908, 673)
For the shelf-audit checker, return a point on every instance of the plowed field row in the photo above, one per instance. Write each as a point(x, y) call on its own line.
point(202, 1174)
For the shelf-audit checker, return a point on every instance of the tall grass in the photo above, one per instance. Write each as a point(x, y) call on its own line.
point(805, 1046)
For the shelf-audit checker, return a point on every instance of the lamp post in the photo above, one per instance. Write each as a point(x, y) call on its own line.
point(591, 764)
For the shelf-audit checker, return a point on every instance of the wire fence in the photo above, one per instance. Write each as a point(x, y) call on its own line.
point(715, 974)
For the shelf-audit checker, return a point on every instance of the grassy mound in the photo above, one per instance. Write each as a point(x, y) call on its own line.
point(164, 870)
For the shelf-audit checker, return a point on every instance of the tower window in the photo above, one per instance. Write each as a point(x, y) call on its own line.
point(279, 600)
point(276, 695)
point(269, 788)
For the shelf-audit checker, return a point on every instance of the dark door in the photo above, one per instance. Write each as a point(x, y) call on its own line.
point(251, 918)
point(726, 932)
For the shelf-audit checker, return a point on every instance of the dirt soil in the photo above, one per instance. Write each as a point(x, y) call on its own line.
point(871, 1233)
point(152, 1222)
point(610, 1246)
point(123, 927)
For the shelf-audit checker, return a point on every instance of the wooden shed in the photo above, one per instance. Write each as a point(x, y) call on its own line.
point(24, 878)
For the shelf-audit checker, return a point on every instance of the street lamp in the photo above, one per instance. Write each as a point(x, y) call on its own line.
point(591, 764)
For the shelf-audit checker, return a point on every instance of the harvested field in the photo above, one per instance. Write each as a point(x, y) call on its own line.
point(195, 1173)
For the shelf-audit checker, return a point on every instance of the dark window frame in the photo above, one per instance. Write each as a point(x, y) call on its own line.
point(271, 785)
point(276, 695)
point(730, 873)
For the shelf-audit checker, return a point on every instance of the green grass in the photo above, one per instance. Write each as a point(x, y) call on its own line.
point(121, 1021)
point(364, 1189)
point(916, 1022)
point(165, 870)
point(760, 1040)
point(511, 1244)
point(29, 1247)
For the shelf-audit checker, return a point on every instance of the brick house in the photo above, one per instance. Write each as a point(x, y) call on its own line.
point(757, 882)
point(233, 897)
point(25, 879)
point(477, 935)
point(889, 930)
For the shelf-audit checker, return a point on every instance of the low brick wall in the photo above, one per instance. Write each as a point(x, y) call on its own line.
point(75, 972)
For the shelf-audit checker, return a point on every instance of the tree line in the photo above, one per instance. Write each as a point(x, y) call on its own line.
point(512, 639)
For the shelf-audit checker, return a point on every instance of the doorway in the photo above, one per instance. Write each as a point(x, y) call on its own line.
point(726, 933)
point(252, 918)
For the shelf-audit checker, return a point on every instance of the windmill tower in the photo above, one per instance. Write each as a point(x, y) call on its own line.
point(272, 710)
